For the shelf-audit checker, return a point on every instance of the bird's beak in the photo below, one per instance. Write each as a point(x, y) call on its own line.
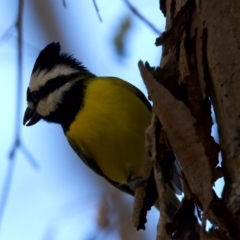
point(31, 116)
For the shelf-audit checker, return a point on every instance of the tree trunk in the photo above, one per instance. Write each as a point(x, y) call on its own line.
point(200, 68)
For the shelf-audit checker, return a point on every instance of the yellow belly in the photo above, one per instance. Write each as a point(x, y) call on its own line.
point(110, 128)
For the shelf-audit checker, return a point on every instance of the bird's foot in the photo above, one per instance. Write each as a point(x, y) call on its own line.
point(135, 182)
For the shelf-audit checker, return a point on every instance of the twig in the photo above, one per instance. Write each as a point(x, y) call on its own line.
point(6, 188)
point(140, 16)
point(10, 32)
point(7, 34)
point(97, 10)
point(29, 156)
point(64, 3)
point(19, 82)
point(11, 162)
point(17, 144)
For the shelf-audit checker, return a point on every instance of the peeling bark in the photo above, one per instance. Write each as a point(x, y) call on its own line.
point(223, 57)
point(180, 128)
point(200, 67)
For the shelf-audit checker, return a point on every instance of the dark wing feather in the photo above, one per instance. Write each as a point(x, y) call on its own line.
point(140, 95)
point(176, 181)
point(92, 165)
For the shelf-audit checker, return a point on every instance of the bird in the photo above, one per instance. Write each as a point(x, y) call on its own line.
point(103, 118)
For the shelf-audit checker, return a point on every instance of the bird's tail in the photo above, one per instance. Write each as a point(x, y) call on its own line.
point(171, 201)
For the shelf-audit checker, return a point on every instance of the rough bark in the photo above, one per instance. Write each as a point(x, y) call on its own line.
point(200, 67)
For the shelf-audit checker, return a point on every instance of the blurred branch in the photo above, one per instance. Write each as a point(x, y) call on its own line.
point(140, 16)
point(11, 33)
point(64, 3)
point(97, 10)
point(11, 163)
point(7, 34)
point(6, 188)
point(28, 156)
point(17, 144)
point(19, 82)
point(120, 39)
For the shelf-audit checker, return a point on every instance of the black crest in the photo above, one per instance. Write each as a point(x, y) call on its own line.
point(51, 55)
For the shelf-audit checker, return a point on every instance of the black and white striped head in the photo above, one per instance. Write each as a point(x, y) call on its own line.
point(54, 73)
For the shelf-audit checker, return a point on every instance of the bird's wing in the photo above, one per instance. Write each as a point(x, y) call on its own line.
point(140, 95)
point(92, 165)
point(176, 181)
point(134, 90)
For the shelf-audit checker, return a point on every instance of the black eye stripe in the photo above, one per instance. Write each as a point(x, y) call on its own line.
point(52, 85)
point(56, 83)
point(28, 95)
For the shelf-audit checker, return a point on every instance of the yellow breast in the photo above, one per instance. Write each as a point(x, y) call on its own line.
point(110, 127)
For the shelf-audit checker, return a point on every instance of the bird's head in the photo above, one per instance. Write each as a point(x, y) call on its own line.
point(53, 75)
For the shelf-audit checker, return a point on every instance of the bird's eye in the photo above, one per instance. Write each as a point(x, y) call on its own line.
point(34, 96)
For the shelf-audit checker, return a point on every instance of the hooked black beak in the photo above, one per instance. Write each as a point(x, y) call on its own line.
point(31, 116)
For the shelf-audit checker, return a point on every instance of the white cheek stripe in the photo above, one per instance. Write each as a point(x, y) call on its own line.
point(50, 103)
point(40, 78)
